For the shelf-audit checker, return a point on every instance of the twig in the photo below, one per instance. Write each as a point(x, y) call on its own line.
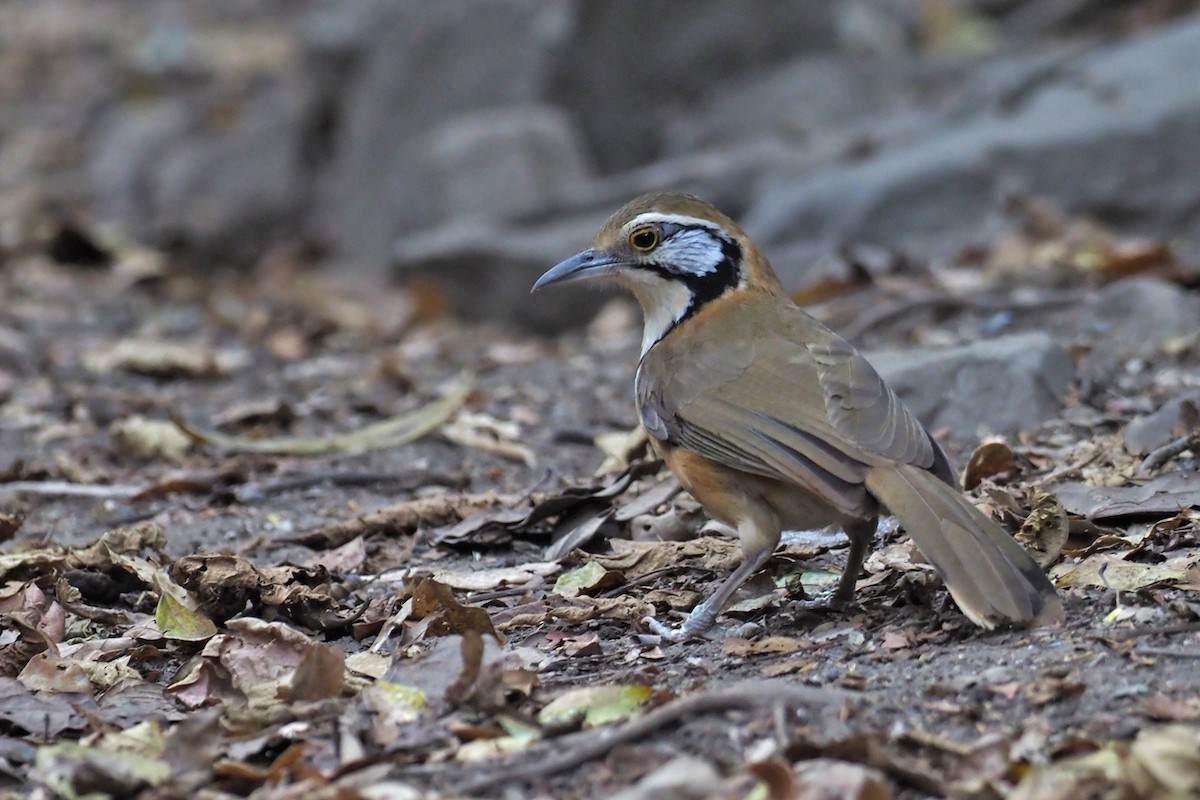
point(1172, 652)
point(580, 748)
point(1137, 633)
point(67, 489)
point(1161, 455)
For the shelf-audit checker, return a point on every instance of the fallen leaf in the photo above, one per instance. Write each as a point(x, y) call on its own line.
point(1162, 496)
point(392, 432)
point(144, 438)
point(1112, 572)
point(740, 648)
point(1045, 529)
point(595, 705)
point(989, 460)
point(590, 579)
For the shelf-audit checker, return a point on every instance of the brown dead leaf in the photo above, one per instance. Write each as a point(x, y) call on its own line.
point(1112, 572)
point(740, 648)
point(162, 359)
point(320, 675)
point(1172, 709)
point(1162, 496)
point(1165, 762)
point(635, 559)
point(10, 523)
point(435, 601)
point(826, 779)
point(1045, 529)
point(225, 584)
point(1048, 689)
point(483, 580)
point(989, 460)
point(142, 438)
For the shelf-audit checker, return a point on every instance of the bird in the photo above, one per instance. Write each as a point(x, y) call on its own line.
point(773, 422)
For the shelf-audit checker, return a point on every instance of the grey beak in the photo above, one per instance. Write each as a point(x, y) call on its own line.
point(578, 267)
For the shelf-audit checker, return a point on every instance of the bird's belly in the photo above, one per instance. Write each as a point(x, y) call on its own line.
point(732, 496)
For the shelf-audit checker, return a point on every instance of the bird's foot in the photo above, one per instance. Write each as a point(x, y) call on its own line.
point(698, 624)
point(826, 600)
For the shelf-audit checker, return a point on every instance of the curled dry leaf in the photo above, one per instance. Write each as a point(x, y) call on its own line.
point(144, 438)
point(391, 432)
point(621, 448)
point(434, 601)
point(225, 584)
point(1113, 572)
point(989, 460)
point(487, 434)
point(1045, 529)
point(164, 359)
point(823, 778)
point(590, 579)
point(595, 705)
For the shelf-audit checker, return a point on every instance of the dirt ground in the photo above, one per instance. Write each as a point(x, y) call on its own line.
point(899, 691)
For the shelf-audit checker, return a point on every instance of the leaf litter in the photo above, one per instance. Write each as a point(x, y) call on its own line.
point(449, 600)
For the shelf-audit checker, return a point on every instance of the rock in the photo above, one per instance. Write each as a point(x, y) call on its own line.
point(167, 176)
point(1173, 419)
point(503, 163)
point(1087, 134)
point(802, 100)
point(1133, 318)
point(1001, 385)
point(416, 66)
point(485, 265)
point(486, 271)
point(685, 778)
point(633, 65)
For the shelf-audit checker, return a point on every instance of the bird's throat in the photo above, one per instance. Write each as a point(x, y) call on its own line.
point(664, 304)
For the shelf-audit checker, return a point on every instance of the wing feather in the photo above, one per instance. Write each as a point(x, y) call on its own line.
point(766, 389)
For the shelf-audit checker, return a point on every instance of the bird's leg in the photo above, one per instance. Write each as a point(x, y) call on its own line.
point(758, 548)
point(860, 532)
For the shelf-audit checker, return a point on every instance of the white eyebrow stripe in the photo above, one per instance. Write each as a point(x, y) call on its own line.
point(671, 219)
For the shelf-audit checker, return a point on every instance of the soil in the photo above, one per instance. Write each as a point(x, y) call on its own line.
point(935, 692)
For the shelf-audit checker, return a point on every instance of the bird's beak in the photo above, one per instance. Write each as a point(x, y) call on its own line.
point(588, 264)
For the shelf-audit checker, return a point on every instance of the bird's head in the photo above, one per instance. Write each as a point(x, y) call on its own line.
point(674, 252)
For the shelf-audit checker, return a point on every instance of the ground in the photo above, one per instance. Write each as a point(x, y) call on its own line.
point(390, 622)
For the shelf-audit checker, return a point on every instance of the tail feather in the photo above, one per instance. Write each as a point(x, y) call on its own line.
point(989, 575)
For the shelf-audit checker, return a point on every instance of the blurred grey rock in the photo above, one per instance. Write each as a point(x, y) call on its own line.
point(1174, 418)
point(796, 103)
point(1114, 133)
point(503, 163)
point(486, 271)
point(417, 66)
point(1132, 318)
point(685, 778)
point(168, 176)
point(634, 64)
point(486, 262)
point(998, 385)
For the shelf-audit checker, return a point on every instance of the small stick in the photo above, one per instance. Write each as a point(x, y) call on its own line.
point(589, 745)
point(1161, 455)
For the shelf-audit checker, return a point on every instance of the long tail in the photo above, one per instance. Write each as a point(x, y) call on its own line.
point(989, 575)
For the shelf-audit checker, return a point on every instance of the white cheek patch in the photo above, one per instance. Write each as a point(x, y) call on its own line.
point(695, 252)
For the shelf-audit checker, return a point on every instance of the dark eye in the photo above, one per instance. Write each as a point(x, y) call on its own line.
point(644, 239)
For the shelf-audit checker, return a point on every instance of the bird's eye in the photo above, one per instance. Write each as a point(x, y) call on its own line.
point(644, 239)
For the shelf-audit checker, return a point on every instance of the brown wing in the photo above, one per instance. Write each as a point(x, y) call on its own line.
point(766, 389)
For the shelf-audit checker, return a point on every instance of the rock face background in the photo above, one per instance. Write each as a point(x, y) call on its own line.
point(469, 144)
point(476, 141)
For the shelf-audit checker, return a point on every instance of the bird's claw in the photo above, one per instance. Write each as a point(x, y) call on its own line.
point(826, 600)
point(692, 628)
